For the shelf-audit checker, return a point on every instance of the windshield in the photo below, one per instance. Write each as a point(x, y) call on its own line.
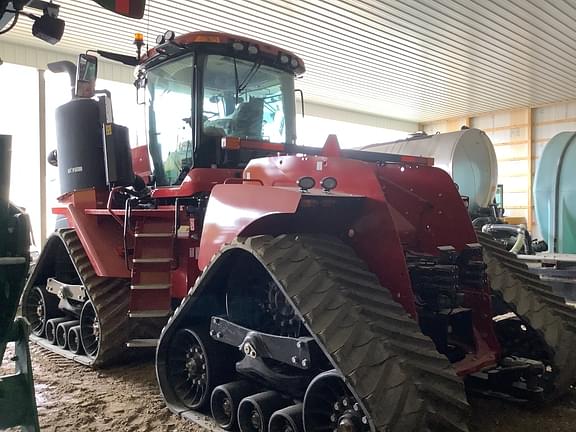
point(238, 98)
point(246, 99)
point(170, 112)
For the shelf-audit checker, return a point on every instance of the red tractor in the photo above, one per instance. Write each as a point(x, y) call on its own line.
point(331, 289)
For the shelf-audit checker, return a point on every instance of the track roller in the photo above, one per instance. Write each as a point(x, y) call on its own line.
point(225, 400)
point(89, 330)
point(74, 344)
point(195, 365)
point(62, 333)
point(328, 404)
point(254, 412)
point(51, 326)
point(288, 419)
point(40, 306)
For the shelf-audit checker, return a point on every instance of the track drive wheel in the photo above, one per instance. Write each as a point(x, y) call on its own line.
point(328, 402)
point(89, 330)
point(39, 306)
point(195, 367)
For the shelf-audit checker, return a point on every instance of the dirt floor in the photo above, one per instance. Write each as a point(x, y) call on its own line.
point(71, 397)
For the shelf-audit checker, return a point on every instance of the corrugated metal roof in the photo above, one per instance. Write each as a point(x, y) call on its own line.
point(415, 60)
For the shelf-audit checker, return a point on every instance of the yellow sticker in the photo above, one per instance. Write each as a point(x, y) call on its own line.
point(108, 129)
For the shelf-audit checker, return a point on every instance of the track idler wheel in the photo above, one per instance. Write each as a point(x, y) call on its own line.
point(254, 412)
point(225, 400)
point(288, 419)
point(195, 366)
point(89, 330)
point(51, 326)
point(40, 306)
point(62, 333)
point(329, 405)
point(74, 344)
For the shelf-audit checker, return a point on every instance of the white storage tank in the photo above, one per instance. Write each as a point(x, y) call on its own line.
point(467, 155)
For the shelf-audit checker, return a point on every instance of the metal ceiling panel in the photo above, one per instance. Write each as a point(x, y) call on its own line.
point(414, 60)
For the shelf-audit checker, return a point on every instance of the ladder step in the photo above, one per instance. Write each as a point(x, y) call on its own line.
point(154, 235)
point(149, 314)
point(142, 343)
point(152, 260)
point(152, 286)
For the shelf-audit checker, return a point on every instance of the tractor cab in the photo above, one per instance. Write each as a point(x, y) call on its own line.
point(216, 101)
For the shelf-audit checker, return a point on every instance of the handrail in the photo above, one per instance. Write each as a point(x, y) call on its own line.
point(109, 206)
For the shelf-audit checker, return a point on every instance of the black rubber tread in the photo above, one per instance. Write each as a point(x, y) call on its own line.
point(395, 371)
point(534, 302)
point(110, 297)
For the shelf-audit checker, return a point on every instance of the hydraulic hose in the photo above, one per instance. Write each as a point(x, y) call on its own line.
point(523, 238)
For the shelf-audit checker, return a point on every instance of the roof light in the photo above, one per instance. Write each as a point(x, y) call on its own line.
point(160, 39)
point(328, 183)
point(284, 59)
point(169, 35)
point(294, 63)
point(138, 38)
point(238, 46)
point(306, 183)
point(252, 49)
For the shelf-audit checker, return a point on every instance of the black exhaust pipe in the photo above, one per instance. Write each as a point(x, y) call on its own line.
point(255, 411)
point(74, 344)
point(225, 400)
point(51, 326)
point(62, 333)
point(5, 163)
point(288, 419)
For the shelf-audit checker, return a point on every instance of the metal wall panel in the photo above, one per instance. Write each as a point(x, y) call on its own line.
point(413, 60)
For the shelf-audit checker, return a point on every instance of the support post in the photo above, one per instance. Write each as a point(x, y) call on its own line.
point(42, 153)
point(530, 172)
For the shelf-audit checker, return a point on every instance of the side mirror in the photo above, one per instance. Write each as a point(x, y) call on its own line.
point(128, 8)
point(86, 74)
point(140, 85)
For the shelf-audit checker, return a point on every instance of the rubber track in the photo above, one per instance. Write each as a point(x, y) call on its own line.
point(533, 301)
point(403, 382)
point(110, 297)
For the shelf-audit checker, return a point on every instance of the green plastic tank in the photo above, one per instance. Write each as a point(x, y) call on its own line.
point(555, 193)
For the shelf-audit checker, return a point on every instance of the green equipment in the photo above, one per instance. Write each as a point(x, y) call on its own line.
point(17, 402)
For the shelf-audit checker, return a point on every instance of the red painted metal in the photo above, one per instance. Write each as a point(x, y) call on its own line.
point(232, 207)
point(427, 199)
point(375, 225)
point(197, 180)
point(100, 236)
point(331, 147)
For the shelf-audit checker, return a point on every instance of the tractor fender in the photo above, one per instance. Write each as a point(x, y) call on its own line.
point(246, 210)
point(242, 210)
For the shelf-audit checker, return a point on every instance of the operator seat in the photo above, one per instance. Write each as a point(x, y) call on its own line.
point(246, 121)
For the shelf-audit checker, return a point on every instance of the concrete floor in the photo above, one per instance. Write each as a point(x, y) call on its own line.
point(72, 397)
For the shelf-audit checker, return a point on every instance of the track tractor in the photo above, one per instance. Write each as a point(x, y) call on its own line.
point(287, 288)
